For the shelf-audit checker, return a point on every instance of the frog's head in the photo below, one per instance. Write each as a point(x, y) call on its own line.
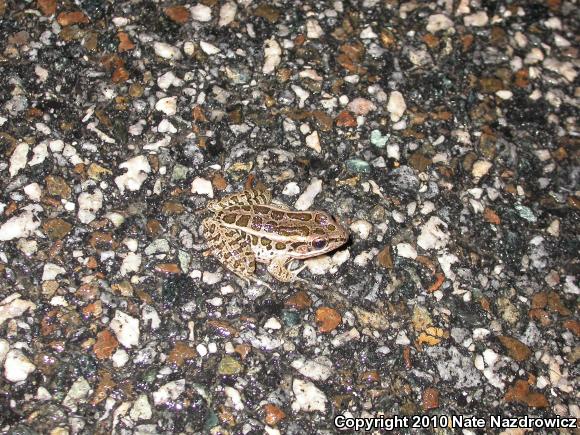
point(326, 235)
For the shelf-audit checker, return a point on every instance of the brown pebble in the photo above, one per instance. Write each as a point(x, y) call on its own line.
point(327, 319)
point(125, 43)
point(299, 300)
point(105, 345)
point(345, 119)
point(223, 328)
point(56, 228)
point(572, 325)
point(47, 7)
point(57, 186)
point(69, 18)
point(515, 348)
point(439, 280)
point(430, 399)
point(520, 392)
point(243, 350)
point(385, 258)
point(177, 14)
point(105, 386)
point(167, 268)
point(273, 414)
point(491, 216)
point(120, 75)
point(555, 304)
point(180, 353)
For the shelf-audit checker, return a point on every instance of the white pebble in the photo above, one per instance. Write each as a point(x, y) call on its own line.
point(367, 33)
point(534, 56)
point(319, 265)
point(166, 51)
point(17, 366)
point(120, 358)
point(166, 127)
point(313, 29)
point(361, 106)
point(131, 263)
point(272, 55)
point(227, 13)
point(305, 200)
point(12, 307)
point(308, 397)
point(22, 225)
point(396, 106)
point(479, 19)
point(362, 228)
point(89, 204)
point(291, 189)
point(141, 409)
point(272, 323)
point(433, 234)
point(201, 186)
point(438, 22)
point(19, 158)
point(137, 169)
point(406, 250)
point(33, 191)
point(126, 328)
point(208, 48)
point(167, 105)
point(313, 141)
point(168, 392)
point(480, 168)
point(317, 369)
point(504, 94)
point(200, 12)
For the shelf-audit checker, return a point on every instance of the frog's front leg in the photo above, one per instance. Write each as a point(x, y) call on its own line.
point(278, 268)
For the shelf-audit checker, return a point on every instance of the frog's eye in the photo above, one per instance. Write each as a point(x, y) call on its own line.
point(318, 243)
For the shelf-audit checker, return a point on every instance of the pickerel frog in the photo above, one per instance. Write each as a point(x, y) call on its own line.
point(246, 228)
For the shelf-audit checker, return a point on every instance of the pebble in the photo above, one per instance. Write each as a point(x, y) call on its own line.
point(141, 409)
point(272, 56)
point(169, 392)
point(126, 328)
point(89, 204)
point(21, 225)
point(291, 189)
point(313, 29)
point(17, 366)
point(313, 141)
point(308, 397)
point(208, 48)
point(227, 13)
point(167, 105)
point(480, 168)
point(137, 169)
point(361, 106)
point(19, 158)
point(406, 250)
point(319, 265)
point(362, 228)
point(167, 51)
point(478, 19)
point(433, 234)
point(317, 369)
point(272, 323)
point(77, 394)
point(200, 12)
point(304, 201)
point(367, 33)
point(438, 22)
point(201, 186)
point(396, 106)
point(378, 140)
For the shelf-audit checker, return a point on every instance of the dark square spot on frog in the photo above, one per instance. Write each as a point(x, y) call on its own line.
point(243, 220)
point(280, 246)
point(229, 218)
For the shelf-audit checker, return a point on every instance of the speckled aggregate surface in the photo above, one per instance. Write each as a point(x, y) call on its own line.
point(442, 134)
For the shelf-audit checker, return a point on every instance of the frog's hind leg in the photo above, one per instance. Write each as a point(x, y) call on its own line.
point(245, 197)
point(230, 247)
